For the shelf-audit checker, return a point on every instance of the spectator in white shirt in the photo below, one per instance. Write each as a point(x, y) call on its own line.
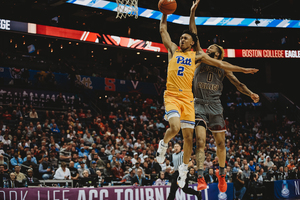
point(63, 172)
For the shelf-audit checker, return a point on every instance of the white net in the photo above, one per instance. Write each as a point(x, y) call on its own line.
point(127, 8)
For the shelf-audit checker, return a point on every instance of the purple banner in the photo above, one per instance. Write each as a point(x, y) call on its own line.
point(105, 193)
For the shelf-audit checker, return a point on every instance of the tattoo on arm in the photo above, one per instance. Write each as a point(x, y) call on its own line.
point(200, 157)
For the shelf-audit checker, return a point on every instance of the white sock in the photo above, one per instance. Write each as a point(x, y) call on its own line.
point(164, 144)
point(185, 165)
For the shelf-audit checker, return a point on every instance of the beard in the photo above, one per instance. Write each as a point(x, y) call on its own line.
point(212, 54)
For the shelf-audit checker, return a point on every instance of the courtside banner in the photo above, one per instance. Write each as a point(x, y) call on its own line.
point(287, 189)
point(111, 193)
point(98, 38)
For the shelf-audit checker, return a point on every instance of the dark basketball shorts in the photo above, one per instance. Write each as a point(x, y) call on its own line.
point(211, 112)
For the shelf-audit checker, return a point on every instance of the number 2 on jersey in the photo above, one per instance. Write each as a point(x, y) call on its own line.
point(180, 71)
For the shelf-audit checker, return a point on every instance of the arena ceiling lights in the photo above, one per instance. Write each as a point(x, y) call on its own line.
point(117, 41)
point(200, 21)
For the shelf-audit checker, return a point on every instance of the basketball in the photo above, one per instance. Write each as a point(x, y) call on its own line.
point(167, 6)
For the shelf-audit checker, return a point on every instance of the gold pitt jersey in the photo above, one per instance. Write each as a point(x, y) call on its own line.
point(181, 70)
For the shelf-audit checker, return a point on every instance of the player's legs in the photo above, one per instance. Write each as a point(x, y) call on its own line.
point(200, 130)
point(171, 132)
point(221, 150)
point(187, 133)
point(172, 106)
point(221, 153)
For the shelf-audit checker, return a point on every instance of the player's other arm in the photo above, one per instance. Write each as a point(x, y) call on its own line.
point(202, 57)
point(166, 39)
point(241, 86)
point(192, 25)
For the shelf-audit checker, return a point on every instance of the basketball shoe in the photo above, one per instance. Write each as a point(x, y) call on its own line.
point(182, 175)
point(201, 183)
point(161, 151)
point(222, 185)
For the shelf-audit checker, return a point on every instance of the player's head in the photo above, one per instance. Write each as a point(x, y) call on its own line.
point(215, 51)
point(187, 40)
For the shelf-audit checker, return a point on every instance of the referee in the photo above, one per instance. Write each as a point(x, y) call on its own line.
point(177, 161)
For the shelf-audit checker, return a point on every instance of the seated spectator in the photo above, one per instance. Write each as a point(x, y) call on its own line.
point(30, 180)
point(63, 172)
point(161, 180)
point(30, 164)
point(93, 168)
point(86, 180)
point(88, 139)
point(208, 163)
point(238, 183)
point(19, 175)
point(192, 176)
point(99, 179)
point(268, 163)
point(3, 176)
point(291, 166)
point(33, 158)
point(2, 162)
point(81, 168)
point(55, 129)
point(251, 166)
point(138, 180)
point(16, 160)
point(73, 171)
point(118, 171)
point(12, 182)
point(33, 114)
point(53, 160)
point(129, 176)
point(246, 173)
point(210, 177)
point(45, 168)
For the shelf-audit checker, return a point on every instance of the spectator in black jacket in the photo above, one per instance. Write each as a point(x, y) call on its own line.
point(86, 180)
point(138, 179)
point(12, 182)
point(30, 180)
point(210, 177)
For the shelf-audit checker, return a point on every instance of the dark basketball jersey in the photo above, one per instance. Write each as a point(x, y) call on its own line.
point(207, 83)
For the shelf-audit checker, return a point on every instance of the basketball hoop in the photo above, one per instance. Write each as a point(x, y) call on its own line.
point(127, 8)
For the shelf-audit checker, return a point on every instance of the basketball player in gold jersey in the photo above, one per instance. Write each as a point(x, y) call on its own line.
point(178, 97)
point(207, 90)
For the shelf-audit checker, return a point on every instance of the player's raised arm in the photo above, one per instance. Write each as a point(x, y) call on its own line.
point(241, 86)
point(202, 57)
point(192, 25)
point(166, 39)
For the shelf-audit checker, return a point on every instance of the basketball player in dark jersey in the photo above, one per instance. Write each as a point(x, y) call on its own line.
point(207, 88)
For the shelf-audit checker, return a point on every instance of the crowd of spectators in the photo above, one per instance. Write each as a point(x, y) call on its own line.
point(120, 145)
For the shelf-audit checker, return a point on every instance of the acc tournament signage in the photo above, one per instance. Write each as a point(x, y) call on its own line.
point(111, 193)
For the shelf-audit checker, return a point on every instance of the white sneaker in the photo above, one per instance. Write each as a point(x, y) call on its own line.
point(182, 176)
point(161, 151)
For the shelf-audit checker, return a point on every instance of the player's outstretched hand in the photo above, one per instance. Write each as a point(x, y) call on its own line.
point(255, 97)
point(250, 70)
point(195, 5)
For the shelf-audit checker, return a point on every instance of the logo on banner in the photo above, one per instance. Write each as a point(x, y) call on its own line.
point(285, 192)
point(222, 196)
point(135, 84)
point(86, 81)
